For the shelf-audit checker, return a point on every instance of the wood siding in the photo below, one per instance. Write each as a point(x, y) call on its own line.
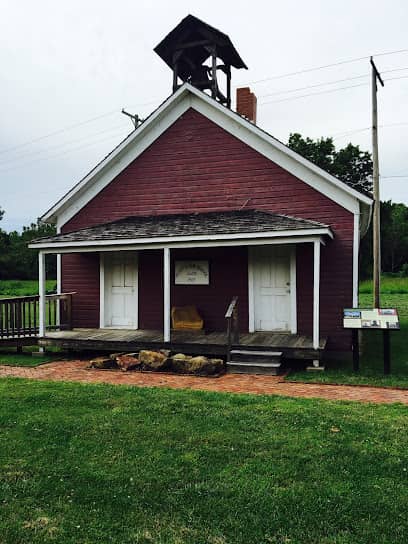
point(81, 276)
point(196, 166)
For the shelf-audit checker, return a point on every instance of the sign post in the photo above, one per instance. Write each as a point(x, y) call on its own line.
point(385, 319)
point(387, 351)
point(356, 350)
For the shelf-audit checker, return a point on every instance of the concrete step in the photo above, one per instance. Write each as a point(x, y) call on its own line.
point(270, 368)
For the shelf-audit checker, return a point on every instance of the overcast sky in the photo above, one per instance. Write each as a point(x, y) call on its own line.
point(68, 68)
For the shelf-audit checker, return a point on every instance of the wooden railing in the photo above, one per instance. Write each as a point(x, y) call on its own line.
point(19, 316)
point(231, 316)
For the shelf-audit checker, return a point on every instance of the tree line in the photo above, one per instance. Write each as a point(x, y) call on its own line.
point(350, 164)
point(355, 167)
point(17, 261)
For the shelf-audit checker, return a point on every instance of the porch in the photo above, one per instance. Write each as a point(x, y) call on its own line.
point(292, 346)
point(129, 275)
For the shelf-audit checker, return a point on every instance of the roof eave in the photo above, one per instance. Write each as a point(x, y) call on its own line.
point(168, 240)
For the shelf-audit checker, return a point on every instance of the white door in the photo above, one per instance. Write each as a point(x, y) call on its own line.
point(121, 282)
point(271, 277)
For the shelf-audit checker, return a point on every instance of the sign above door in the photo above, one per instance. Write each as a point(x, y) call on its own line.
point(191, 273)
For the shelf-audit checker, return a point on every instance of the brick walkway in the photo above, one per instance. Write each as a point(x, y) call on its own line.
point(77, 371)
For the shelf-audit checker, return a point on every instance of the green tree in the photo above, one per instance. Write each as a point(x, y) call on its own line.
point(354, 167)
point(4, 249)
point(349, 164)
point(394, 236)
point(17, 261)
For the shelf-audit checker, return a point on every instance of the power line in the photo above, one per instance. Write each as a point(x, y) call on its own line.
point(313, 86)
point(69, 127)
point(393, 78)
point(327, 91)
point(354, 131)
point(58, 146)
point(93, 142)
point(78, 148)
point(394, 70)
point(390, 53)
point(314, 94)
point(332, 82)
point(394, 177)
point(306, 70)
point(65, 129)
point(107, 114)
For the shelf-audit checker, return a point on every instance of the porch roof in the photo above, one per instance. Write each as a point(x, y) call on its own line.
point(167, 229)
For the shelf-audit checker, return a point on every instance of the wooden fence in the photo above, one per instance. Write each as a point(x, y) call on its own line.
point(19, 316)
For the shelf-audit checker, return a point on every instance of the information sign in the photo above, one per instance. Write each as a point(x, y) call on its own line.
point(374, 318)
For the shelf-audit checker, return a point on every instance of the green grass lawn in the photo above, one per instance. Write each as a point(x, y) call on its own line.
point(371, 363)
point(9, 356)
point(83, 464)
point(23, 288)
point(389, 286)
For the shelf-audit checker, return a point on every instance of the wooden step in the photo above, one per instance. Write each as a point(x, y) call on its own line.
point(255, 353)
point(254, 367)
point(255, 361)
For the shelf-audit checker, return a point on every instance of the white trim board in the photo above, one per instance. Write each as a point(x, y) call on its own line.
point(293, 290)
point(356, 252)
point(185, 97)
point(101, 290)
point(216, 243)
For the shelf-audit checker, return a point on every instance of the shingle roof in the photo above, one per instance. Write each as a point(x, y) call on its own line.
point(195, 224)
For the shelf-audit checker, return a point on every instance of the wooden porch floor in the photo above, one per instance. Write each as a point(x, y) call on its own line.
point(293, 346)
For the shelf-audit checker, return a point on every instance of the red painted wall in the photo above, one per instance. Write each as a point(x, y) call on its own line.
point(80, 274)
point(196, 166)
point(228, 278)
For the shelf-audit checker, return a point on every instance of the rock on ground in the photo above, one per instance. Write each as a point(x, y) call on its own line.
point(102, 363)
point(153, 360)
point(128, 361)
point(200, 365)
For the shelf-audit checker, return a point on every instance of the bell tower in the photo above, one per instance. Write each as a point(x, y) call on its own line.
point(196, 53)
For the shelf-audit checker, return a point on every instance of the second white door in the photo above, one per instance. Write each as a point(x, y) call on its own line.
point(271, 288)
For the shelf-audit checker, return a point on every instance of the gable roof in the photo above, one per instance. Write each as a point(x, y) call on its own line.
point(163, 117)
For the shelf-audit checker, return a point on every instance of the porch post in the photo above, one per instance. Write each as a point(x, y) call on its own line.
point(316, 296)
point(41, 291)
point(166, 294)
point(59, 289)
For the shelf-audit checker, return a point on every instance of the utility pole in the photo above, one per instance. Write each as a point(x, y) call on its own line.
point(134, 118)
point(375, 76)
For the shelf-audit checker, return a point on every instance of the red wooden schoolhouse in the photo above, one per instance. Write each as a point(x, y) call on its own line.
point(201, 211)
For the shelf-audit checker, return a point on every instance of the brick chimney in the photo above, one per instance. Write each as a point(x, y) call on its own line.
point(246, 103)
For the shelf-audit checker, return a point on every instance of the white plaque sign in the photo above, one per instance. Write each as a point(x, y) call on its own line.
point(191, 273)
